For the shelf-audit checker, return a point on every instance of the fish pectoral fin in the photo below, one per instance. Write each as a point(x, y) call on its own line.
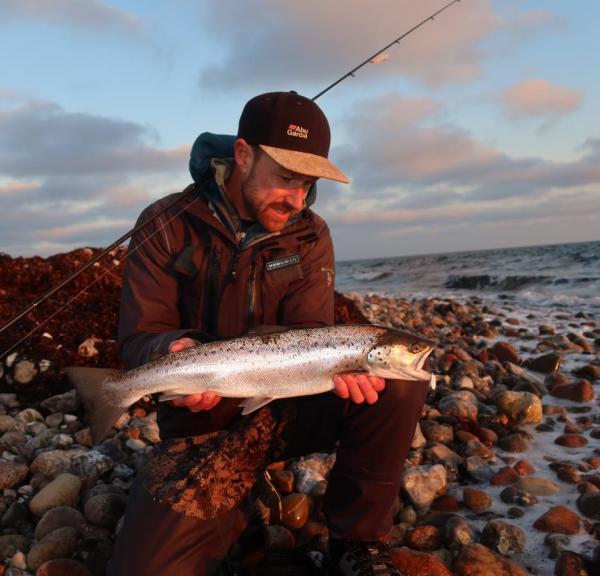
point(251, 404)
point(170, 396)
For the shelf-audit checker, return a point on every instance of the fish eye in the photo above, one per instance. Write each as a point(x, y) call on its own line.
point(417, 347)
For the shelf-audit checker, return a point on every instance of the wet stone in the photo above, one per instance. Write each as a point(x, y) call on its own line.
point(506, 475)
point(545, 364)
point(476, 500)
point(515, 512)
point(570, 564)
point(589, 505)
point(505, 352)
point(524, 468)
point(504, 538)
point(556, 543)
point(571, 440)
point(414, 562)
point(424, 483)
point(478, 560)
point(580, 391)
point(296, 510)
point(457, 533)
point(514, 443)
point(65, 403)
point(423, 538)
point(558, 519)
point(589, 372)
point(537, 486)
point(520, 407)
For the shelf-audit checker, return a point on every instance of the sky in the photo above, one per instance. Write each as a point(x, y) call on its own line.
point(480, 129)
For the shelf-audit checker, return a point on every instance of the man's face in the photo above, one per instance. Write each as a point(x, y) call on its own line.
point(272, 194)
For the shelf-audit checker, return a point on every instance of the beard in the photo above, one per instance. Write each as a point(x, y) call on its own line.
point(272, 216)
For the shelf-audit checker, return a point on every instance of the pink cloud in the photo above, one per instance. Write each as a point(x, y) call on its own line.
point(14, 187)
point(539, 98)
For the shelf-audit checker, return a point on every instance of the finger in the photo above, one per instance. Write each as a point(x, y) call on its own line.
point(208, 398)
point(367, 390)
point(214, 402)
point(353, 387)
point(377, 383)
point(186, 401)
point(341, 388)
point(180, 344)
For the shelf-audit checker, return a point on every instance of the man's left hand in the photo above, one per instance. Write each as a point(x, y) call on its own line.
point(359, 387)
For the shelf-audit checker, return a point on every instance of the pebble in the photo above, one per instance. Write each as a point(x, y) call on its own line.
point(436, 432)
point(545, 364)
point(105, 509)
point(59, 543)
point(12, 474)
point(514, 443)
point(571, 440)
point(457, 533)
point(520, 407)
point(478, 560)
point(580, 391)
point(459, 406)
point(296, 509)
point(59, 517)
point(63, 567)
point(64, 403)
point(559, 519)
point(62, 491)
point(10, 544)
point(504, 476)
point(25, 371)
point(413, 563)
point(538, 486)
point(589, 505)
point(476, 500)
point(424, 483)
point(504, 538)
point(424, 538)
point(505, 352)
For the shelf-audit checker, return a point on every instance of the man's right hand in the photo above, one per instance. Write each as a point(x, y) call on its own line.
point(194, 402)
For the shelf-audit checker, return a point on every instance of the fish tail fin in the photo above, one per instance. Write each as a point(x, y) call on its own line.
point(90, 384)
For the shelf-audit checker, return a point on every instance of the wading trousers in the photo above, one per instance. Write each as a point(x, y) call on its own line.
point(373, 443)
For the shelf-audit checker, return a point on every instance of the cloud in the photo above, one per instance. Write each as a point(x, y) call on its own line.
point(92, 14)
point(403, 145)
point(539, 99)
point(40, 138)
point(273, 43)
point(65, 175)
point(412, 172)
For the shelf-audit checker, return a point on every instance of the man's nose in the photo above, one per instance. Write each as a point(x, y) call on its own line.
point(296, 198)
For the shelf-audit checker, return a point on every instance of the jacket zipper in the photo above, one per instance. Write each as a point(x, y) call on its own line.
point(252, 292)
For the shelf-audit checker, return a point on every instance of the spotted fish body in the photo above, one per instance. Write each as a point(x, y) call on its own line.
point(260, 368)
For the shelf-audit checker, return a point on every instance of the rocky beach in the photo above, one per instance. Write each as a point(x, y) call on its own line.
point(503, 478)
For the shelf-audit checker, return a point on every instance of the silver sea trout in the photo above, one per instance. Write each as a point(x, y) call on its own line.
point(256, 368)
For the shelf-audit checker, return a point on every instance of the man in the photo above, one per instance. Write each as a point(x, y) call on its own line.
point(243, 250)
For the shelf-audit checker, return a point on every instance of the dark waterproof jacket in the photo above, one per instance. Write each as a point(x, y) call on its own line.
point(198, 271)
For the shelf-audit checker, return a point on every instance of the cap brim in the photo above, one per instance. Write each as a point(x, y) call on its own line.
point(306, 163)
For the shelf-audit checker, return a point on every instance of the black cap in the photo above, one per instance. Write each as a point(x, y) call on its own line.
point(292, 130)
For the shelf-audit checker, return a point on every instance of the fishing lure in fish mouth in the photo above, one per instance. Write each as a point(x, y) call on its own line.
point(256, 368)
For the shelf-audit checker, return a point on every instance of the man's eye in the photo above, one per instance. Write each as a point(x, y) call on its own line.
point(286, 178)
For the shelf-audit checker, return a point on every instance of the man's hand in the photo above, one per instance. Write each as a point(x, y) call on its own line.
point(194, 402)
point(358, 387)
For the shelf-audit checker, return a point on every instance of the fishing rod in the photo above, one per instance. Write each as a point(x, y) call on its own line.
point(178, 197)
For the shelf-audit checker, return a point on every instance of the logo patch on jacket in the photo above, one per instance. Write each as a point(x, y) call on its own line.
point(283, 262)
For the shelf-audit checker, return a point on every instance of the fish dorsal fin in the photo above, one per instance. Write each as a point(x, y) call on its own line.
point(251, 404)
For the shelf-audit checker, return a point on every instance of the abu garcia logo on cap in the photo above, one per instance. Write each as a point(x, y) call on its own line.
point(297, 131)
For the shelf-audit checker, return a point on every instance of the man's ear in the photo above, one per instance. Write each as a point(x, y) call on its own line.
point(244, 156)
